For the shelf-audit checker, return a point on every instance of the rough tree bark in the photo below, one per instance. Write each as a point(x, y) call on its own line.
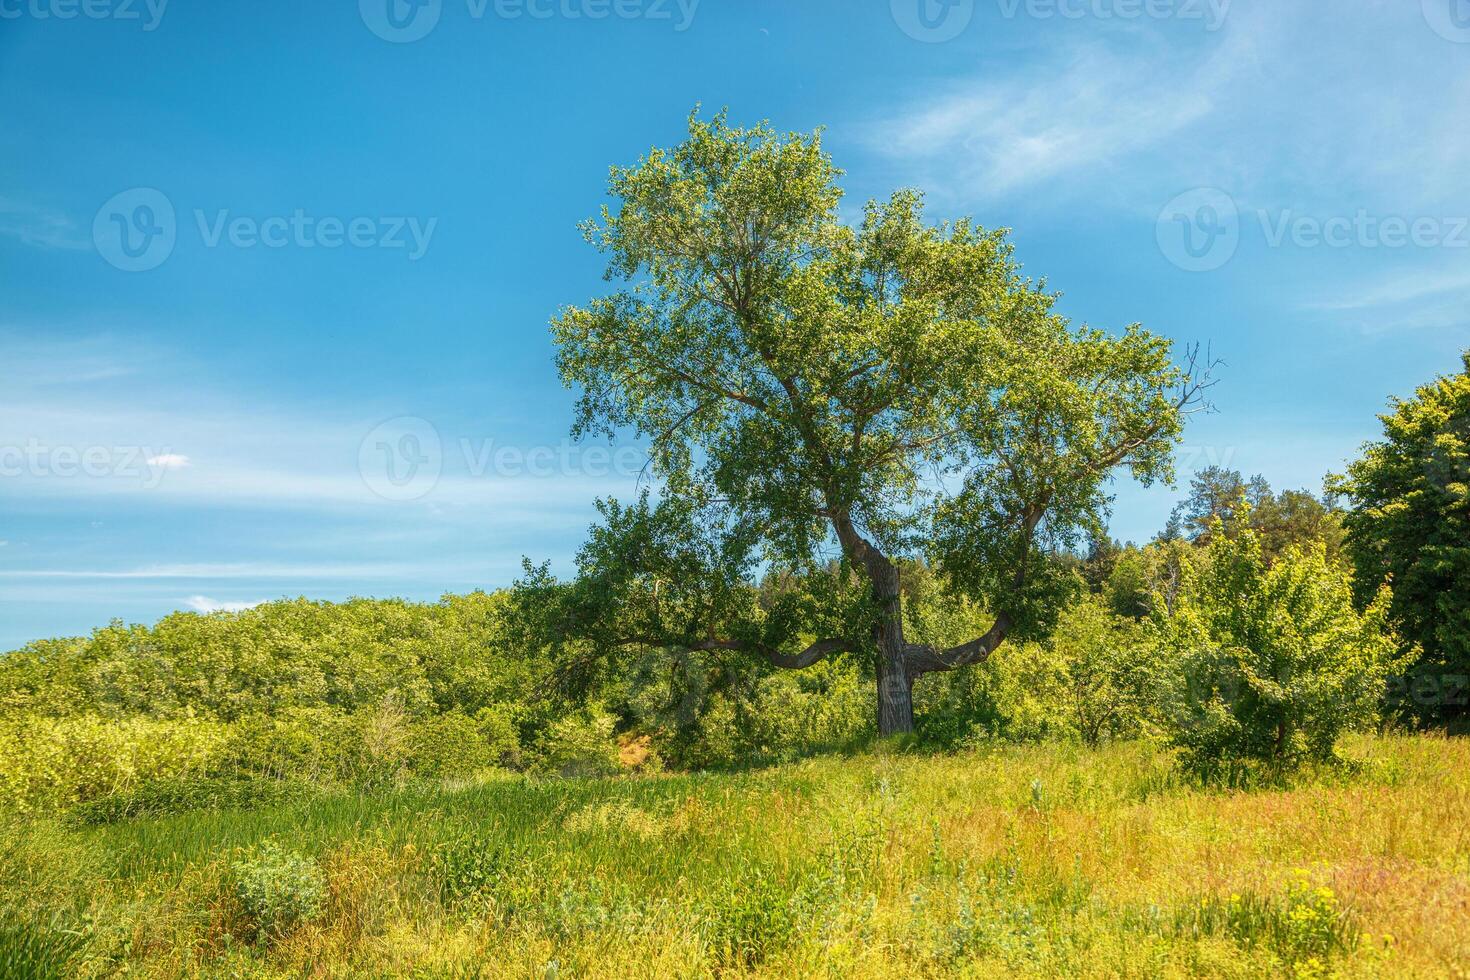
point(900, 663)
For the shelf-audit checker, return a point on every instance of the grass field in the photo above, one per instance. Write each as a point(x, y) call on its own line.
point(1039, 861)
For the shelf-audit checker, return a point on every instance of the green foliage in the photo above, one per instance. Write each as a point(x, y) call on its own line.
point(1037, 861)
point(466, 866)
point(751, 920)
point(275, 658)
point(278, 889)
point(1095, 679)
point(238, 709)
point(801, 379)
point(1140, 576)
point(777, 717)
point(1109, 672)
point(1275, 664)
point(581, 743)
point(53, 763)
point(184, 794)
point(1281, 521)
point(1410, 525)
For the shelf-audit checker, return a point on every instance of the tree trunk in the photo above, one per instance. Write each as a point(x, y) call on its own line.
point(895, 696)
point(895, 678)
point(895, 686)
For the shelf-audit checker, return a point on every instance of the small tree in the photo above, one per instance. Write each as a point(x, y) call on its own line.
point(1275, 663)
point(809, 387)
point(1107, 672)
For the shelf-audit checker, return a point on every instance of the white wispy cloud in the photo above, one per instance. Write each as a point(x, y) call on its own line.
point(41, 227)
point(228, 570)
point(992, 139)
point(1403, 287)
point(204, 604)
point(1282, 107)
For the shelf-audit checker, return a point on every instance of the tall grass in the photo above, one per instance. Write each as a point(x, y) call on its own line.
point(1031, 861)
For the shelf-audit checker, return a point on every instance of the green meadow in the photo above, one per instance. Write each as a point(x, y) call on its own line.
point(1039, 860)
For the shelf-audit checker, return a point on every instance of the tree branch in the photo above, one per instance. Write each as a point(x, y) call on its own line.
point(925, 658)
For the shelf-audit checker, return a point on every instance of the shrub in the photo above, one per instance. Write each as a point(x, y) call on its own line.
point(496, 725)
point(1275, 663)
point(382, 744)
point(448, 745)
point(465, 866)
point(312, 744)
point(57, 763)
point(579, 744)
point(750, 921)
point(278, 889)
point(452, 744)
point(238, 792)
point(1107, 673)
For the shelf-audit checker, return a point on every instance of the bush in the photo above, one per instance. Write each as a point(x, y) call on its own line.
point(57, 763)
point(381, 749)
point(579, 744)
point(278, 889)
point(1275, 663)
point(763, 717)
point(448, 745)
point(310, 744)
point(466, 866)
point(1108, 673)
point(753, 919)
point(453, 744)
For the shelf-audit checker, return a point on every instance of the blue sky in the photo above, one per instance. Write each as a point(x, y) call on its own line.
point(253, 254)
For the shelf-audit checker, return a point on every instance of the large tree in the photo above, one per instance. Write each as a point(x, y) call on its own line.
point(815, 389)
point(1410, 524)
